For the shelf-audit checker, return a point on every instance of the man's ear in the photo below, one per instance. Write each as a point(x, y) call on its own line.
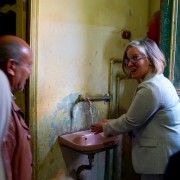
point(10, 67)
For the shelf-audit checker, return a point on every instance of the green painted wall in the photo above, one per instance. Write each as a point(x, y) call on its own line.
point(165, 39)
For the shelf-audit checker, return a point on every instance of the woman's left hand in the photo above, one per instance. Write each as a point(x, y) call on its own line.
point(98, 127)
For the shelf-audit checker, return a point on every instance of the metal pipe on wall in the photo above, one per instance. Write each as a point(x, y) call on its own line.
point(112, 85)
point(116, 75)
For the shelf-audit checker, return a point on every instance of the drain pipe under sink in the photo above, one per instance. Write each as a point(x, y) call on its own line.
point(85, 167)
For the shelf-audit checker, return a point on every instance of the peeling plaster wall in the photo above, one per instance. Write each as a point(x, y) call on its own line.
point(77, 39)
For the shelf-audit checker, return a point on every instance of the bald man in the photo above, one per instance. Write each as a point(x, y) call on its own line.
point(16, 62)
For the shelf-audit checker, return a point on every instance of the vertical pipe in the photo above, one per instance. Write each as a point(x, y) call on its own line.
point(115, 164)
point(118, 79)
point(107, 165)
point(113, 114)
point(112, 88)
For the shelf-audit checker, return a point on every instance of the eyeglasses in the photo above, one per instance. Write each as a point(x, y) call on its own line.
point(134, 59)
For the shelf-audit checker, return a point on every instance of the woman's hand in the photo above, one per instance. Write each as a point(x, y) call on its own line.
point(98, 127)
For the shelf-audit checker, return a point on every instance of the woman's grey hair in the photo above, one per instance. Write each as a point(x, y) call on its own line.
point(149, 49)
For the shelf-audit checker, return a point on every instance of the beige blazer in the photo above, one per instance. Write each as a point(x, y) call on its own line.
point(154, 119)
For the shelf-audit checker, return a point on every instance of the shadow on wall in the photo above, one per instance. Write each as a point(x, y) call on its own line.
point(52, 172)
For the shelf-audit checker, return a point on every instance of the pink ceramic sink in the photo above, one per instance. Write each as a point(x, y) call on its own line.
point(88, 142)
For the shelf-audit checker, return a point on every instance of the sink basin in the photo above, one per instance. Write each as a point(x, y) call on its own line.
point(87, 142)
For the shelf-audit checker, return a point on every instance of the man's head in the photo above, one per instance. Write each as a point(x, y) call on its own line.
point(15, 61)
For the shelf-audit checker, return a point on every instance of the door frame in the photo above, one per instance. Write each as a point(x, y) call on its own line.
point(33, 9)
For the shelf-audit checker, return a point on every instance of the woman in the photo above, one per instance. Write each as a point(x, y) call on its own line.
point(154, 114)
point(5, 106)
